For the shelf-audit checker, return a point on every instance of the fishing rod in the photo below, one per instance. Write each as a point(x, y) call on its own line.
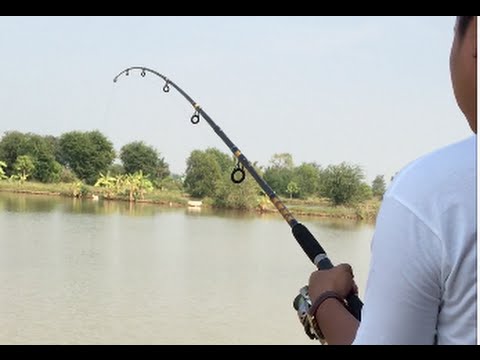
point(303, 236)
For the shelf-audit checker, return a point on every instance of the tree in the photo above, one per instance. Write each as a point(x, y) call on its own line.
point(116, 169)
point(278, 179)
point(283, 160)
point(11, 146)
point(47, 169)
point(280, 172)
point(202, 174)
point(364, 192)
point(24, 166)
point(172, 182)
point(86, 154)
point(226, 162)
point(378, 186)
point(137, 156)
point(292, 188)
point(41, 149)
point(236, 196)
point(306, 176)
point(341, 183)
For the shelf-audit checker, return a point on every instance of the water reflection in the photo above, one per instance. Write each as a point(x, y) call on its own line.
point(339, 224)
point(222, 213)
point(25, 203)
point(40, 203)
point(20, 203)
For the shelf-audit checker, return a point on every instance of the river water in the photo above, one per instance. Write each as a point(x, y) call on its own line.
point(97, 272)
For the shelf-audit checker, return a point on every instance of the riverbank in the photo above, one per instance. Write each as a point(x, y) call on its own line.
point(317, 207)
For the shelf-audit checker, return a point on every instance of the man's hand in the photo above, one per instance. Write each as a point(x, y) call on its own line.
point(338, 279)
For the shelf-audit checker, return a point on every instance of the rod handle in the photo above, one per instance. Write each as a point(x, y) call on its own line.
point(319, 257)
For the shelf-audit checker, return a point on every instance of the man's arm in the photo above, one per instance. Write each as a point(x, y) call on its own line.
point(337, 324)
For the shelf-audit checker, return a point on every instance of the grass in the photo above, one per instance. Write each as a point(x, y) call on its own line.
point(60, 189)
point(322, 207)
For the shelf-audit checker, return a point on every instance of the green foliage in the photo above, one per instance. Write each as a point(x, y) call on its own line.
point(364, 193)
point(16, 179)
point(86, 154)
point(136, 185)
point(84, 190)
point(108, 183)
point(3, 165)
point(47, 170)
point(66, 175)
point(116, 169)
point(137, 156)
point(378, 186)
point(225, 161)
point(246, 195)
point(280, 173)
point(292, 188)
point(170, 183)
point(341, 183)
point(202, 174)
point(307, 176)
point(12, 146)
point(53, 145)
point(236, 196)
point(24, 166)
point(41, 149)
point(75, 188)
point(278, 179)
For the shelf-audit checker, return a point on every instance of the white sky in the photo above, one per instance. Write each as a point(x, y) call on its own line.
point(373, 91)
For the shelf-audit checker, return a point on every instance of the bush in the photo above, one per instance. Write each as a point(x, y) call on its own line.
point(66, 175)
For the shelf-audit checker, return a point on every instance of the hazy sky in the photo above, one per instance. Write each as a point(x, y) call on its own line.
point(373, 91)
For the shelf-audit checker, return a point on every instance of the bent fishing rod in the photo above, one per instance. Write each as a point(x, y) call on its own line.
point(303, 236)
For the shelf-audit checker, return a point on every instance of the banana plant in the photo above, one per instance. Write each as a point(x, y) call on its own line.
point(109, 184)
point(2, 172)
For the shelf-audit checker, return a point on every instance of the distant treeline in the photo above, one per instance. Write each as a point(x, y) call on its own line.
point(90, 157)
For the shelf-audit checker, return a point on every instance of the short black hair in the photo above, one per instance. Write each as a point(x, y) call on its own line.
point(462, 23)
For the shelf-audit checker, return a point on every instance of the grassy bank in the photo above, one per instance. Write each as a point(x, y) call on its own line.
point(171, 198)
point(319, 207)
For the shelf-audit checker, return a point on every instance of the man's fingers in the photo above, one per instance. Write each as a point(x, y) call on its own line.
point(347, 268)
point(355, 288)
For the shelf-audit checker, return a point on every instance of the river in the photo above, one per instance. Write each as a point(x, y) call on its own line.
point(97, 272)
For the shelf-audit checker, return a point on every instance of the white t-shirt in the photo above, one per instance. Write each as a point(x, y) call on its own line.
point(423, 280)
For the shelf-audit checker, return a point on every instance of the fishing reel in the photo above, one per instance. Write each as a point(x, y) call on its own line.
point(302, 303)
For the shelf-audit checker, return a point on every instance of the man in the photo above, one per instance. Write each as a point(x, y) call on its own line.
point(422, 284)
